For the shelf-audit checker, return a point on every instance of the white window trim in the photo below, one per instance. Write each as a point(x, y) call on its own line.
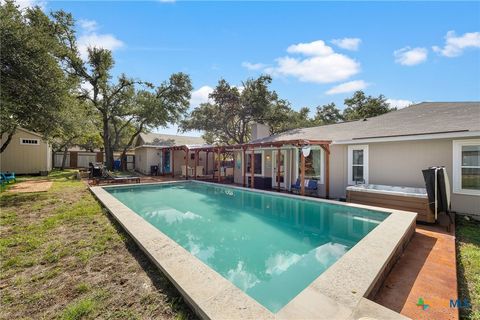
point(247, 155)
point(351, 148)
point(30, 144)
point(457, 166)
point(322, 162)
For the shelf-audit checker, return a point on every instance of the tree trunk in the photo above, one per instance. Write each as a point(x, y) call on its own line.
point(107, 144)
point(64, 160)
point(9, 138)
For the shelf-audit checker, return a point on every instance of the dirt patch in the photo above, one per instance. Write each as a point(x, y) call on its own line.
point(31, 186)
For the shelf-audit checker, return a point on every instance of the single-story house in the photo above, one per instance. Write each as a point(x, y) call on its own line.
point(167, 151)
point(27, 153)
point(391, 149)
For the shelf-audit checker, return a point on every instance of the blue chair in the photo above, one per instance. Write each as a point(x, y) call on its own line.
point(3, 182)
point(8, 176)
point(312, 185)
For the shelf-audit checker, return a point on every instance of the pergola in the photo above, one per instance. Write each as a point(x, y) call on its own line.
point(196, 149)
point(279, 145)
point(299, 143)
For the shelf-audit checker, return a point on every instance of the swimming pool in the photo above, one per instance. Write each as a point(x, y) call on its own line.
point(269, 246)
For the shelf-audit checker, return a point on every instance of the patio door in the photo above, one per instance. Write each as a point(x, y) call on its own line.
point(275, 164)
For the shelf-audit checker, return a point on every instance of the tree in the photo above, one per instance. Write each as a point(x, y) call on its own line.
point(361, 106)
point(327, 114)
point(122, 112)
point(227, 119)
point(35, 88)
point(74, 127)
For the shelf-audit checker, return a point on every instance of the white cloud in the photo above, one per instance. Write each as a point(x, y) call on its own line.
point(348, 43)
point(30, 3)
point(88, 25)
point(200, 95)
point(253, 66)
point(90, 38)
point(455, 45)
point(348, 87)
point(322, 64)
point(399, 103)
point(105, 41)
point(315, 48)
point(410, 56)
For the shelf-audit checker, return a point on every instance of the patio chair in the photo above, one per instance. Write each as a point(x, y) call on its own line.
point(9, 176)
point(109, 177)
point(3, 183)
point(310, 185)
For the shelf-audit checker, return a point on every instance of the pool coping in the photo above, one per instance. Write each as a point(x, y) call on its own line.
point(340, 292)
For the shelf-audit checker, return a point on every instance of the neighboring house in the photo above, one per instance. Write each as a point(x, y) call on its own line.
point(154, 149)
point(390, 149)
point(27, 153)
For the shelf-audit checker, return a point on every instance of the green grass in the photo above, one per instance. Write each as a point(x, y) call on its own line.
point(62, 257)
point(468, 260)
point(79, 309)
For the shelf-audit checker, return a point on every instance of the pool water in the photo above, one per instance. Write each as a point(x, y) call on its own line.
point(271, 247)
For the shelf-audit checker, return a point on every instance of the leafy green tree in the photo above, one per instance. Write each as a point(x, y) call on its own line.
point(227, 119)
point(360, 106)
point(34, 87)
point(122, 112)
point(327, 114)
point(74, 127)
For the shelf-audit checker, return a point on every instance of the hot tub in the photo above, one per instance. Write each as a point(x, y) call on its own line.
point(400, 198)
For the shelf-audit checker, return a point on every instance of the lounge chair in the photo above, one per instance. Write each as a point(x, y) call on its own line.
point(310, 185)
point(108, 177)
point(9, 176)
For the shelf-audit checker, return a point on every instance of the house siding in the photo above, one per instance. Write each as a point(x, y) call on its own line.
point(401, 164)
point(26, 159)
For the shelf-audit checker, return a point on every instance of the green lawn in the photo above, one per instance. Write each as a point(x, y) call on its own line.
point(468, 262)
point(62, 257)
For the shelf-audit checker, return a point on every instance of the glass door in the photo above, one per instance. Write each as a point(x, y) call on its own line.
point(275, 176)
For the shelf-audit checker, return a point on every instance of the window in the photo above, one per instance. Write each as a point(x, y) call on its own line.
point(29, 141)
point(357, 164)
point(257, 161)
point(466, 166)
point(313, 165)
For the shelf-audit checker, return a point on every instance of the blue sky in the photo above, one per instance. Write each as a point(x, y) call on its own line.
point(317, 52)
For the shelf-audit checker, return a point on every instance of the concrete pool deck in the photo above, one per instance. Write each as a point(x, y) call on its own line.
point(340, 292)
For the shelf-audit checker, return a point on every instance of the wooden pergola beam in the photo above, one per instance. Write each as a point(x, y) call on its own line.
point(187, 151)
point(278, 168)
point(302, 173)
point(218, 164)
point(196, 164)
point(252, 169)
point(172, 154)
point(244, 166)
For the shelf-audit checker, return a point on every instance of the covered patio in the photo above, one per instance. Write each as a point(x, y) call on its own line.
point(212, 168)
point(245, 155)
